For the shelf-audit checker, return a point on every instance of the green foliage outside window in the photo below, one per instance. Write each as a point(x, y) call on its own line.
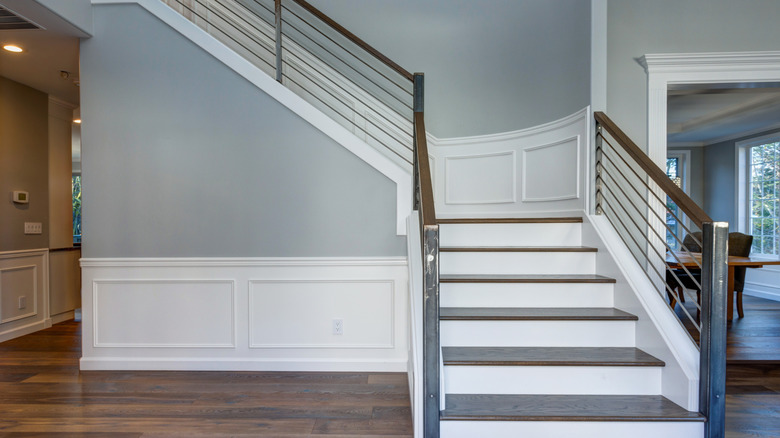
point(764, 203)
point(76, 190)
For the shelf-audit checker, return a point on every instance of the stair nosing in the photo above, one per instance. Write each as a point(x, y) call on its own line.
point(619, 403)
point(543, 314)
point(482, 357)
point(585, 249)
point(539, 220)
point(533, 278)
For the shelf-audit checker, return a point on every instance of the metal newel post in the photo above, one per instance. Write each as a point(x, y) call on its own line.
point(712, 366)
point(418, 97)
point(278, 23)
point(599, 166)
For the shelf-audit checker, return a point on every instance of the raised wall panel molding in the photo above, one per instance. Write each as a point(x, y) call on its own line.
point(365, 306)
point(163, 313)
point(481, 178)
point(14, 282)
point(540, 184)
point(24, 273)
point(252, 314)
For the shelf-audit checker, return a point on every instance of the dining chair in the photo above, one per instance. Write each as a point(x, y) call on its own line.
point(739, 245)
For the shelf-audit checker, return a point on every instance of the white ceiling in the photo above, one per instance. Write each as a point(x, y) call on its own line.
point(702, 114)
point(47, 52)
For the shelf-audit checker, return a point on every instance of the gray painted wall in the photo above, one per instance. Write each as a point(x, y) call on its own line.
point(490, 65)
point(639, 27)
point(181, 157)
point(24, 148)
point(76, 12)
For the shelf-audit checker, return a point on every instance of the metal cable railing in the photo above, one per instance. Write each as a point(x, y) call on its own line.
point(320, 61)
point(637, 197)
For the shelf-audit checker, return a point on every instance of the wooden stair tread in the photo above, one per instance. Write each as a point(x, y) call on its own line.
point(517, 249)
point(495, 407)
point(534, 314)
point(548, 356)
point(524, 220)
point(515, 278)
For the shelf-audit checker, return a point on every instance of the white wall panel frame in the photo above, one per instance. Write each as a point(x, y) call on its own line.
point(35, 317)
point(530, 149)
point(380, 285)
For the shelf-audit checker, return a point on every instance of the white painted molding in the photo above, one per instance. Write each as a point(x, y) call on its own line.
point(697, 68)
point(481, 185)
point(36, 263)
point(392, 170)
point(511, 136)
point(251, 314)
point(203, 262)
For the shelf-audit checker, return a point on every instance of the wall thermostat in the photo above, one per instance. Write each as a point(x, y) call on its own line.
point(21, 197)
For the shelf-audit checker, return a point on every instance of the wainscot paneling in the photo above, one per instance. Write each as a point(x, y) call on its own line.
point(764, 282)
point(481, 176)
point(24, 279)
point(245, 314)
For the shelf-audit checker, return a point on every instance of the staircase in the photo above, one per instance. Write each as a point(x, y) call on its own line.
point(532, 345)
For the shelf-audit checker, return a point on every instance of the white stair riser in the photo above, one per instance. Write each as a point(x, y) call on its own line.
point(569, 429)
point(465, 379)
point(531, 263)
point(510, 234)
point(538, 333)
point(527, 294)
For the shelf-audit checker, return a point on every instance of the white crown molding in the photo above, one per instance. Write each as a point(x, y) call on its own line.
point(686, 144)
point(671, 62)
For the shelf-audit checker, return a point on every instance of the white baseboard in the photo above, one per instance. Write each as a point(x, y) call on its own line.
point(22, 330)
point(253, 314)
point(62, 317)
point(762, 294)
point(241, 364)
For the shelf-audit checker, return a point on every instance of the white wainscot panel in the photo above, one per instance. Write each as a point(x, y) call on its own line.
point(300, 314)
point(164, 313)
point(481, 179)
point(551, 172)
point(18, 286)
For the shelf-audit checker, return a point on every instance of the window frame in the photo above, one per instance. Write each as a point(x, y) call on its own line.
point(684, 171)
point(743, 173)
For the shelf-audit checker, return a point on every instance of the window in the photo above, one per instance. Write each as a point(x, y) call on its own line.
point(762, 215)
point(76, 190)
point(676, 170)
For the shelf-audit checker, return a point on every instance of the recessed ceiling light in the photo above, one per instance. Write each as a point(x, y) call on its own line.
point(77, 121)
point(12, 48)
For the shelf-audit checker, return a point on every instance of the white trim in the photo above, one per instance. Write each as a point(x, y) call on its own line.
point(742, 183)
point(577, 183)
point(510, 136)
point(203, 262)
point(62, 317)
point(373, 306)
point(392, 170)
point(242, 364)
point(697, 68)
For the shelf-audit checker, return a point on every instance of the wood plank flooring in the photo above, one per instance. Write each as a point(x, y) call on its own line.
point(43, 394)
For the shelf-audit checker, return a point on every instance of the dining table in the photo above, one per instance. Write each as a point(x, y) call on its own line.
point(692, 260)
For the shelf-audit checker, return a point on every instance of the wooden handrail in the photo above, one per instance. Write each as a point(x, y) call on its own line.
point(686, 204)
point(354, 38)
point(427, 209)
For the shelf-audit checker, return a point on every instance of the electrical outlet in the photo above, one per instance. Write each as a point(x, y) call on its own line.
point(22, 302)
point(33, 228)
point(338, 326)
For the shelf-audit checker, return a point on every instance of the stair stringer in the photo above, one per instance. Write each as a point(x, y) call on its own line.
point(658, 332)
point(392, 170)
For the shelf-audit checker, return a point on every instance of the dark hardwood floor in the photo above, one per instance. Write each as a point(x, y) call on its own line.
point(43, 394)
point(753, 369)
